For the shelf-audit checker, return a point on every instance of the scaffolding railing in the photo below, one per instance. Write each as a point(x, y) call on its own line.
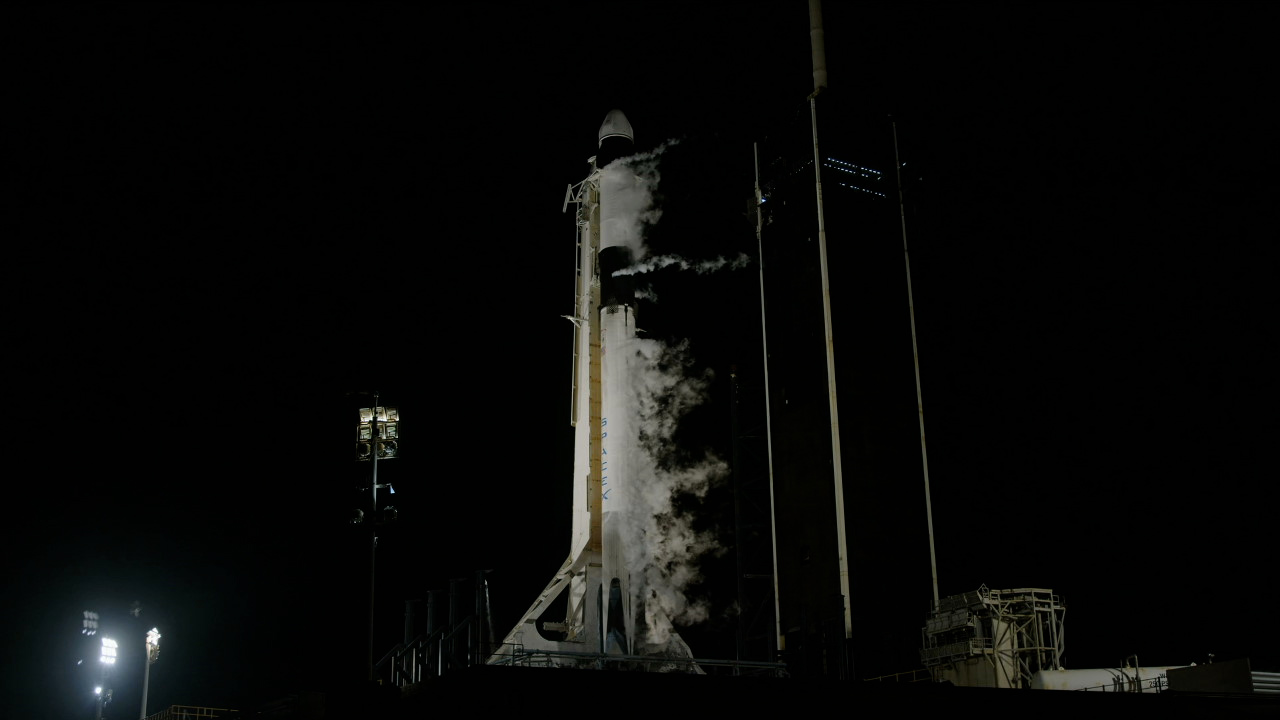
point(432, 655)
point(918, 675)
point(191, 712)
point(518, 656)
point(1131, 684)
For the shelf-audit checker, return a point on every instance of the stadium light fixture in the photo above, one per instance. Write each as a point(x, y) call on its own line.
point(109, 648)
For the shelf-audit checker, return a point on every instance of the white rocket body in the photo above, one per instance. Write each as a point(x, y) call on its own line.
point(617, 462)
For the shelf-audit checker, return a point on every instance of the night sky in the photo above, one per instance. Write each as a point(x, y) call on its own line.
point(229, 219)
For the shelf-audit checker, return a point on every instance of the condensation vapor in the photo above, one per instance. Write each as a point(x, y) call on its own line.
point(663, 546)
point(630, 182)
point(699, 266)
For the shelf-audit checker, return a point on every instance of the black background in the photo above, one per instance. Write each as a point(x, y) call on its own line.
point(228, 218)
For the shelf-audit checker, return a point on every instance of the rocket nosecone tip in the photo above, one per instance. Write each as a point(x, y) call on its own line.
point(616, 125)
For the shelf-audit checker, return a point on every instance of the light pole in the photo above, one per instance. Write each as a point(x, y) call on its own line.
point(107, 659)
point(153, 653)
point(377, 438)
point(104, 697)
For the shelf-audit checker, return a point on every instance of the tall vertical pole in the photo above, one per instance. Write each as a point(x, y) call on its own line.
point(146, 680)
point(373, 527)
point(153, 653)
point(740, 644)
point(915, 355)
point(104, 693)
point(819, 84)
point(779, 638)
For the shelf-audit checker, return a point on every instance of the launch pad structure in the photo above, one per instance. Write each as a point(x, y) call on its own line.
point(994, 638)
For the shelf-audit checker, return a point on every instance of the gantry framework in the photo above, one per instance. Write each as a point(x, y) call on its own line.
point(994, 638)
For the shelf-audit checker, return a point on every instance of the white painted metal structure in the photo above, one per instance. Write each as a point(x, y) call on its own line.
point(818, 47)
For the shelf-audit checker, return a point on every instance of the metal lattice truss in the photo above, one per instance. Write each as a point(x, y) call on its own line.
point(994, 637)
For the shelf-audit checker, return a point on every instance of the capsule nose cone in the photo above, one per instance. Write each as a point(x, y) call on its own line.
point(616, 125)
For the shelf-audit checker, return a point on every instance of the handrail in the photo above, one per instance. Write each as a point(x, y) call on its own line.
point(917, 675)
point(525, 658)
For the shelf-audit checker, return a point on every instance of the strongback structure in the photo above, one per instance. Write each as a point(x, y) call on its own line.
point(870, 337)
point(845, 481)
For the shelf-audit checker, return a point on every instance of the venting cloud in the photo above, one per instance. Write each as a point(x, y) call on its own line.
point(663, 546)
point(699, 266)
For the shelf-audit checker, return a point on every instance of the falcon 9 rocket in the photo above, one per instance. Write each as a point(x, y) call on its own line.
point(587, 608)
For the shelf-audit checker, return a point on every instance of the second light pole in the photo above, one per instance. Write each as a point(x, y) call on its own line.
point(153, 654)
point(377, 438)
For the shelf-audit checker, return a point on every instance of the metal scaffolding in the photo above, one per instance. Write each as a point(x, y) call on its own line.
point(994, 638)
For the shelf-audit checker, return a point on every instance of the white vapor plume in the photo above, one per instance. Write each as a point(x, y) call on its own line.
point(629, 182)
point(663, 546)
point(698, 266)
point(669, 547)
